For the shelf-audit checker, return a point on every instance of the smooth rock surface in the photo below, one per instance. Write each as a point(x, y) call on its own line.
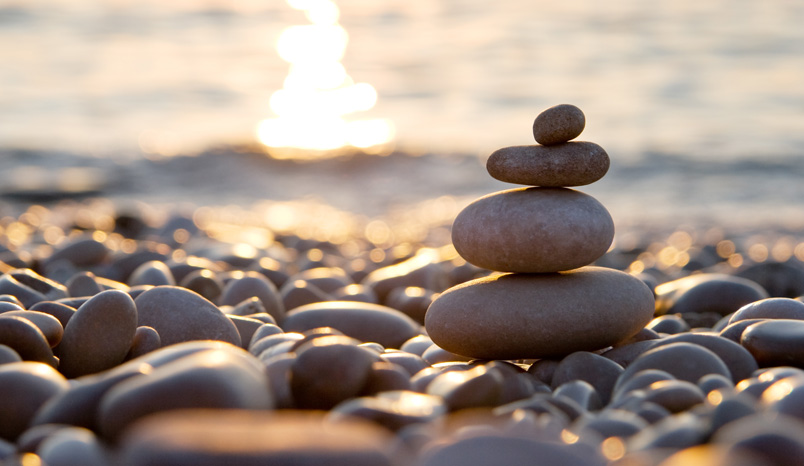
point(517, 316)
point(776, 342)
point(707, 292)
point(568, 164)
point(24, 387)
point(363, 321)
point(558, 124)
point(217, 378)
point(533, 230)
point(178, 315)
point(244, 438)
point(770, 308)
point(99, 335)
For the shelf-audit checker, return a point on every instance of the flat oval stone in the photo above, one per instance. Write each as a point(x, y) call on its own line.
point(533, 230)
point(740, 362)
point(252, 284)
point(363, 321)
point(195, 438)
point(24, 387)
point(516, 316)
point(776, 342)
point(707, 292)
point(178, 315)
point(99, 335)
point(50, 326)
point(568, 164)
point(558, 124)
point(684, 361)
point(26, 339)
point(215, 379)
point(770, 308)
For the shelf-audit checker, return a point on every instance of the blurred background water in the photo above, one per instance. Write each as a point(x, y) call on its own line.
point(700, 104)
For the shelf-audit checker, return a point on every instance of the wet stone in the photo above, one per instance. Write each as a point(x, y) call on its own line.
point(740, 362)
point(674, 395)
point(777, 342)
point(558, 124)
point(707, 292)
point(99, 335)
point(770, 308)
point(685, 361)
point(362, 321)
point(670, 324)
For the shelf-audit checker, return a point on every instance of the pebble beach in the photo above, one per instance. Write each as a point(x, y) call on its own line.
point(199, 311)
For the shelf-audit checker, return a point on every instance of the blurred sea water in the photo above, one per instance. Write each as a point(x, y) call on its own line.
point(699, 104)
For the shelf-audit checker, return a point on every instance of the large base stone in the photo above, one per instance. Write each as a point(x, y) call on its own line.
point(534, 316)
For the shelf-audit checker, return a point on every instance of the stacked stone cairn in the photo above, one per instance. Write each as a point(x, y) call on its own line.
point(548, 302)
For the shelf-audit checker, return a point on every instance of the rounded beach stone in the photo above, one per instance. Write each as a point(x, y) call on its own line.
point(558, 124)
point(83, 284)
point(770, 308)
point(517, 316)
point(78, 405)
point(707, 292)
point(178, 315)
point(474, 388)
point(99, 335)
point(146, 339)
point(71, 446)
point(684, 361)
point(569, 164)
point(50, 326)
point(600, 372)
point(247, 438)
point(674, 395)
point(488, 449)
point(204, 282)
point(424, 270)
point(329, 370)
point(60, 311)
point(154, 273)
point(251, 284)
point(24, 387)
point(26, 339)
point(740, 362)
point(218, 378)
point(533, 230)
point(7, 355)
point(777, 439)
point(776, 342)
point(363, 321)
point(81, 251)
point(392, 410)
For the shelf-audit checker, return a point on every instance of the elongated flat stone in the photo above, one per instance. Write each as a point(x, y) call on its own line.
point(533, 230)
point(519, 316)
point(567, 164)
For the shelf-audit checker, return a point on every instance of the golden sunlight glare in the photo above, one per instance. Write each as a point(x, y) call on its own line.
point(318, 92)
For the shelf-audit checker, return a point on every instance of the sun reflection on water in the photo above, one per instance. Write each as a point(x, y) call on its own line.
point(318, 93)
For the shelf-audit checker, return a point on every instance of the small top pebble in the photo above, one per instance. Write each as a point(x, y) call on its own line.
point(558, 124)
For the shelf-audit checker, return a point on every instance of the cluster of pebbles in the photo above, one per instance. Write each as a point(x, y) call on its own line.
point(129, 342)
